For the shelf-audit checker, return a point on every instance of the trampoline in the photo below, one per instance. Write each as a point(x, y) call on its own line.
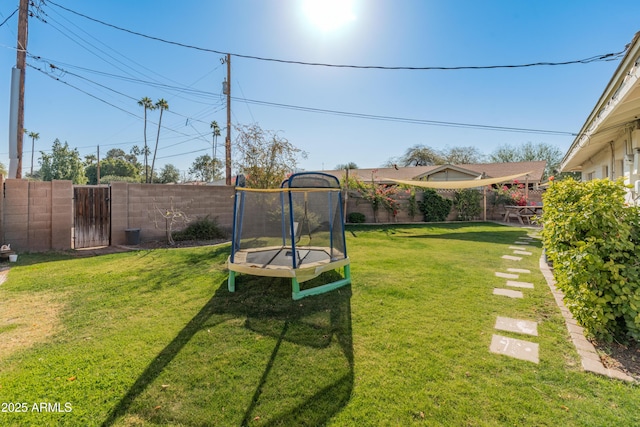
point(295, 232)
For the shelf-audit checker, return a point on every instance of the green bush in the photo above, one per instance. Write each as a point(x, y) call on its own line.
point(434, 207)
point(356, 218)
point(593, 239)
point(201, 229)
point(467, 203)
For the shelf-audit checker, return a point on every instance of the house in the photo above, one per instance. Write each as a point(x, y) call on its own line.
point(462, 172)
point(608, 145)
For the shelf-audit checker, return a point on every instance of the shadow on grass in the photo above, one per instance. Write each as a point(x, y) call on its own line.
point(491, 232)
point(267, 306)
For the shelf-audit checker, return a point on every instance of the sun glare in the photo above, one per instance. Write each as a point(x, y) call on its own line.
point(329, 15)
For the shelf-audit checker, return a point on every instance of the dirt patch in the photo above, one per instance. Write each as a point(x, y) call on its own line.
point(625, 358)
point(26, 320)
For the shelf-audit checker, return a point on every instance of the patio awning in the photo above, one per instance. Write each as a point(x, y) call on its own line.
point(469, 183)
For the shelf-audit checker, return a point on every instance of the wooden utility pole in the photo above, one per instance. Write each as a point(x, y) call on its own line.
point(98, 167)
point(21, 61)
point(227, 142)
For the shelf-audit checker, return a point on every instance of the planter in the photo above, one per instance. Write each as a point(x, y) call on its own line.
point(132, 236)
point(13, 258)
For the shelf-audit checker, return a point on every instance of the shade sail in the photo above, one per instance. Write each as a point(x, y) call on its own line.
point(450, 185)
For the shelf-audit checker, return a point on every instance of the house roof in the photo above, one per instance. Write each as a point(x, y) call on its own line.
point(617, 109)
point(490, 170)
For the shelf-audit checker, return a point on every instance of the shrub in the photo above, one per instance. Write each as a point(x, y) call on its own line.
point(593, 239)
point(434, 207)
point(467, 203)
point(201, 229)
point(356, 218)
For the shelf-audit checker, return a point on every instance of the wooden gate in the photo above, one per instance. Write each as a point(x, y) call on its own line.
point(92, 216)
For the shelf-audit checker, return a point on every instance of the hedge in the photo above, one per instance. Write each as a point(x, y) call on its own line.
point(592, 237)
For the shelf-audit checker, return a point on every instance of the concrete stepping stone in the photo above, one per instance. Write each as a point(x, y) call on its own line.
point(506, 275)
point(518, 270)
point(508, 293)
point(512, 347)
point(520, 243)
point(522, 252)
point(520, 247)
point(512, 258)
point(515, 284)
point(516, 325)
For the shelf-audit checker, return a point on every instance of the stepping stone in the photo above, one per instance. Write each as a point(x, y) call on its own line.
point(508, 293)
point(520, 247)
point(518, 270)
point(512, 347)
point(516, 325)
point(506, 275)
point(520, 243)
point(522, 253)
point(515, 284)
point(512, 258)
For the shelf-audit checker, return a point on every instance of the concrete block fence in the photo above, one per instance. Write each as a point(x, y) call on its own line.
point(39, 216)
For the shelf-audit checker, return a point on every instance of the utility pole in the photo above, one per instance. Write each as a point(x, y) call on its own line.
point(98, 167)
point(21, 59)
point(227, 142)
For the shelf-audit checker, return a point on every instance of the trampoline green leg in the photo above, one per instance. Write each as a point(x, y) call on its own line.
point(297, 293)
point(231, 283)
point(295, 288)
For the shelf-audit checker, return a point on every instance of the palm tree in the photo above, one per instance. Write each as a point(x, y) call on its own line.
point(34, 136)
point(162, 104)
point(147, 103)
point(216, 134)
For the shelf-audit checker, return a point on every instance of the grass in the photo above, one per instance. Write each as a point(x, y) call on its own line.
point(154, 338)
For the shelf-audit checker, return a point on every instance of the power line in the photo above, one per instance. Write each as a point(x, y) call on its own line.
point(406, 120)
point(321, 111)
point(8, 17)
point(596, 58)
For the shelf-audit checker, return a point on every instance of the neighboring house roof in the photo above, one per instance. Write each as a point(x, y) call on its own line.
point(472, 171)
point(616, 110)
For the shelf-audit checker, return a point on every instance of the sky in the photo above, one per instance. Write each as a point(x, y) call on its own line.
point(89, 62)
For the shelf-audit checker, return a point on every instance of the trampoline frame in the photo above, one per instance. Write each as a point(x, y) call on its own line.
point(298, 271)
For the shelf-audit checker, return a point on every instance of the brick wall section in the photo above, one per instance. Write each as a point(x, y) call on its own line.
point(140, 206)
point(15, 214)
point(38, 216)
point(61, 214)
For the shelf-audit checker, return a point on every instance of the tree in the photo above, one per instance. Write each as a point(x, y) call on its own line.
point(34, 136)
point(162, 104)
point(62, 163)
point(206, 169)
point(529, 152)
point(110, 166)
point(3, 169)
point(265, 158)
point(461, 156)
point(350, 165)
point(420, 155)
point(169, 174)
point(147, 103)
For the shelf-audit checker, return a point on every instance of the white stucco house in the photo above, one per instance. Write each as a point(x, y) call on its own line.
point(608, 145)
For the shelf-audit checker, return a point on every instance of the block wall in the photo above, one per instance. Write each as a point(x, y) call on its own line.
point(36, 216)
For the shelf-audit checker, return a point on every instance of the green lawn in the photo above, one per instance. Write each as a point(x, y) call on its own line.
point(154, 338)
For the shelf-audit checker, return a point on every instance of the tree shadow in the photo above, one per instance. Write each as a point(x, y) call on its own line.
point(268, 310)
point(494, 232)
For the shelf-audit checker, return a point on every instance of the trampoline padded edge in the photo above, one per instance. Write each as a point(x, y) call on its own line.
point(300, 274)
